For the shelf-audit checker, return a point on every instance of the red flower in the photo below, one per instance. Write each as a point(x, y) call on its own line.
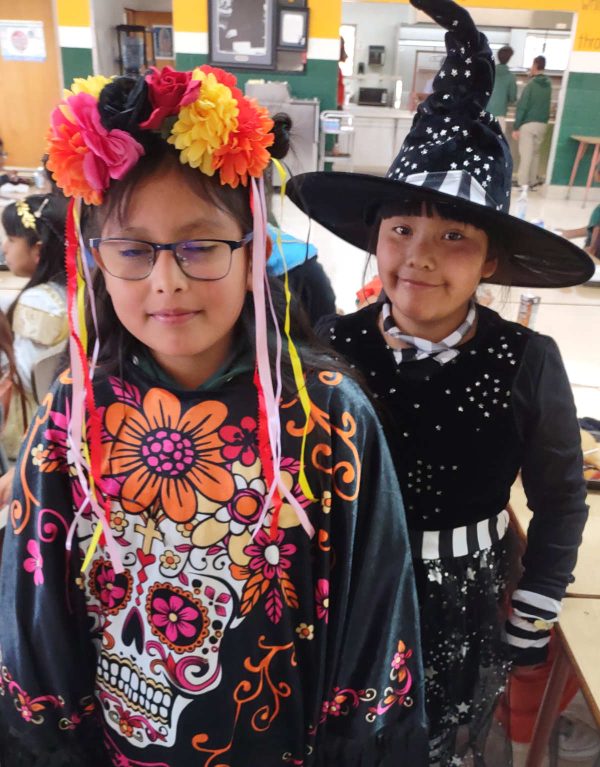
point(168, 91)
point(226, 78)
point(241, 441)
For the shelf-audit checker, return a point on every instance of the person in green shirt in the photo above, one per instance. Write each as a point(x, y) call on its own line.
point(505, 87)
point(531, 120)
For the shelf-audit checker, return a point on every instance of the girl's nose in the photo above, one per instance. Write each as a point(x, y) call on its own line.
point(166, 275)
point(420, 253)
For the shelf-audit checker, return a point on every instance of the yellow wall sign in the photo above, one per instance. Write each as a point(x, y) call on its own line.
point(587, 37)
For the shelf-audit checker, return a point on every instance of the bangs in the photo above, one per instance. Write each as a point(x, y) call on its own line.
point(444, 210)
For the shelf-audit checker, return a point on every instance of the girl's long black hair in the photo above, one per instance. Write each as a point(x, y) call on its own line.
point(50, 213)
point(116, 343)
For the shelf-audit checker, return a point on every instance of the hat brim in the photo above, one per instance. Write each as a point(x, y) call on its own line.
point(347, 204)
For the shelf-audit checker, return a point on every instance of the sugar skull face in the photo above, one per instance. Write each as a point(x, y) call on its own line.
point(160, 640)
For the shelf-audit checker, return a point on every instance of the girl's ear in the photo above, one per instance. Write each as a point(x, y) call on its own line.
point(489, 267)
point(36, 252)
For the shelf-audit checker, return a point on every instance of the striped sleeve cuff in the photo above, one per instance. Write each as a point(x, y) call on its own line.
point(529, 626)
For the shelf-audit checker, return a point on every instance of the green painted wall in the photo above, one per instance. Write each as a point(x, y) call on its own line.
point(581, 116)
point(76, 62)
point(319, 80)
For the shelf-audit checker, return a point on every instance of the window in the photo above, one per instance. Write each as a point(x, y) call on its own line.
point(556, 49)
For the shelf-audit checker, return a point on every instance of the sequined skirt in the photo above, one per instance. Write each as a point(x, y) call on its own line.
point(463, 577)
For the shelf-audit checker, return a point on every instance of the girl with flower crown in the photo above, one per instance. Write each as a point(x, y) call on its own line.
point(195, 568)
point(469, 399)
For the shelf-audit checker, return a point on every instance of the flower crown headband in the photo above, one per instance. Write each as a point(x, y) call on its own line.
point(97, 130)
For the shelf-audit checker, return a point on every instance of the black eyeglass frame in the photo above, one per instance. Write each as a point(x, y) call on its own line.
point(95, 243)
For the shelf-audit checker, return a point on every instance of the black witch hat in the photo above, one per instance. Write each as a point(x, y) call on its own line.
point(455, 154)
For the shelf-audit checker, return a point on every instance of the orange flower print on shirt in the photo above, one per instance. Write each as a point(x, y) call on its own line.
point(167, 455)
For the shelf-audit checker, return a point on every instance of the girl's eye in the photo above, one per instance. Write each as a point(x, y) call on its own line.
point(196, 247)
point(136, 252)
point(454, 236)
point(402, 229)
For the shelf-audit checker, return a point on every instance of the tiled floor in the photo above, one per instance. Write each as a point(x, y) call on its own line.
point(570, 315)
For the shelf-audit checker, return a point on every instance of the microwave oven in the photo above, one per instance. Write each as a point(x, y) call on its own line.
point(374, 97)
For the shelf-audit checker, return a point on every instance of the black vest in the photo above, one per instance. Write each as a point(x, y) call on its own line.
point(451, 428)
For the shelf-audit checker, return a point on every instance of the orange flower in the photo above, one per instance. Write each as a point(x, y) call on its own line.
point(245, 153)
point(66, 153)
point(168, 455)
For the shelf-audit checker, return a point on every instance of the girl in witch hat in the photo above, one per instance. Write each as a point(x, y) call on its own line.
point(469, 399)
point(194, 570)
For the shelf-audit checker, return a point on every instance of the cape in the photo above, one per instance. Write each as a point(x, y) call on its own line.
point(219, 643)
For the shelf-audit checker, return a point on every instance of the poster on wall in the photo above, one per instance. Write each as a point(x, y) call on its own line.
point(162, 38)
point(22, 40)
point(241, 33)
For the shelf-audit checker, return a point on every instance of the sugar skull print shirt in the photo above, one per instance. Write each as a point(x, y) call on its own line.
point(220, 642)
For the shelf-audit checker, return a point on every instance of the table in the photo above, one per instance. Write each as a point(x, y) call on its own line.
point(587, 573)
point(578, 631)
point(584, 142)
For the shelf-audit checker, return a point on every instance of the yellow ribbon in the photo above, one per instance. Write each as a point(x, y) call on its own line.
point(83, 335)
point(293, 352)
point(92, 547)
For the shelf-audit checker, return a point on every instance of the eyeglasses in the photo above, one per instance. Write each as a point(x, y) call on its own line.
point(198, 259)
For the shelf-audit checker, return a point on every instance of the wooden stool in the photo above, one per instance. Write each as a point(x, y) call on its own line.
point(578, 631)
point(584, 142)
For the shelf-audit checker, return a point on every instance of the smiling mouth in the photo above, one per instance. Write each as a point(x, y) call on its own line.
point(173, 316)
point(417, 283)
point(137, 691)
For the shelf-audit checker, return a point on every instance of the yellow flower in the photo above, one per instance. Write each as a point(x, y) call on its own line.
point(305, 631)
point(118, 521)
point(185, 529)
point(92, 85)
point(204, 125)
point(326, 502)
point(170, 560)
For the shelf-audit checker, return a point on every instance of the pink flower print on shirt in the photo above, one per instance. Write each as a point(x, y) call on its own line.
point(35, 562)
point(173, 617)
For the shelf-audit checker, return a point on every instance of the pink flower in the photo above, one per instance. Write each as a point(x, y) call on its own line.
point(168, 91)
point(110, 593)
point(270, 557)
point(172, 617)
point(35, 562)
point(112, 153)
point(322, 599)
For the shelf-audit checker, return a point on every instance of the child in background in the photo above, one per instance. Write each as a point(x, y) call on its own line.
point(34, 248)
point(229, 596)
point(469, 399)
